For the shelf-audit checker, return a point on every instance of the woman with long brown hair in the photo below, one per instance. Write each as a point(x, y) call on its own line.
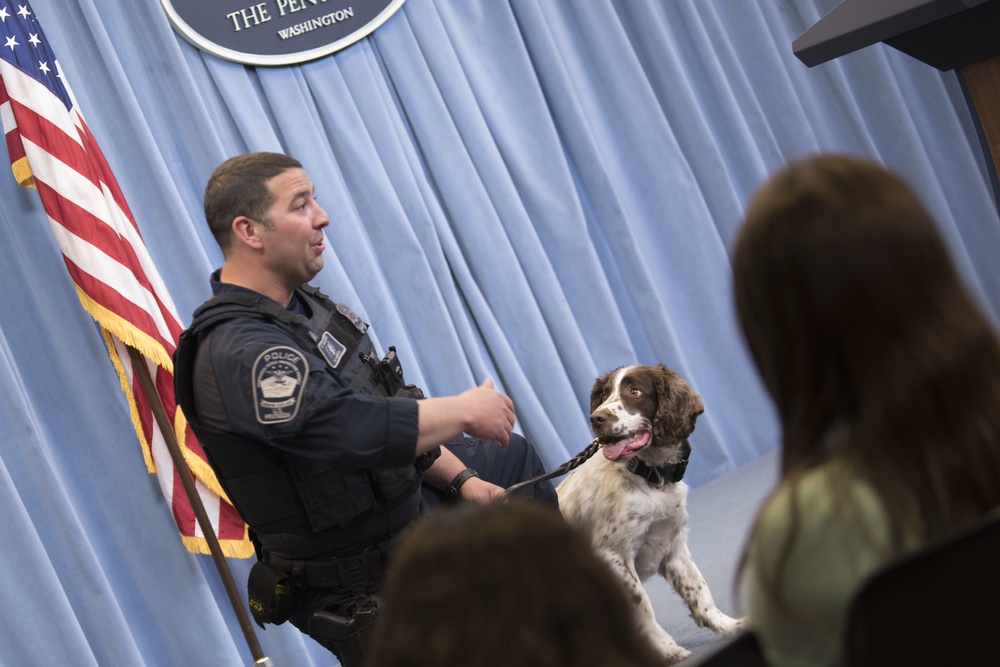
point(885, 375)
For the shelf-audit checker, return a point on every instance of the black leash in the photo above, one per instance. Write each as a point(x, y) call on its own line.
point(574, 462)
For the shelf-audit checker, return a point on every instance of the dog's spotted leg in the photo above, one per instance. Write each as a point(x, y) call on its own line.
point(685, 577)
point(660, 638)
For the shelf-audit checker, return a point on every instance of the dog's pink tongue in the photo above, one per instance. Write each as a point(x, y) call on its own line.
point(615, 450)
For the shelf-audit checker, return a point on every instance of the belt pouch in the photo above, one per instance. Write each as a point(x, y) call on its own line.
point(270, 594)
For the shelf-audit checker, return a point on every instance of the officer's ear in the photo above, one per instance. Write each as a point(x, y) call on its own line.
point(246, 231)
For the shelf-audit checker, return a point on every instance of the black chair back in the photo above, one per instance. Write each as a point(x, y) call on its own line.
point(740, 650)
point(937, 606)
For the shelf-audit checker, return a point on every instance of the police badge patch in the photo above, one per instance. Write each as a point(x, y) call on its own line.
point(279, 378)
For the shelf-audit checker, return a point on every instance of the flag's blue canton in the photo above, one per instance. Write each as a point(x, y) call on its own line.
point(23, 45)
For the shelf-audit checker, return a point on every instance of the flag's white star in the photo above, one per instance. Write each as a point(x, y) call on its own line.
point(11, 42)
point(34, 40)
point(23, 11)
point(43, 67)
point(3, 14)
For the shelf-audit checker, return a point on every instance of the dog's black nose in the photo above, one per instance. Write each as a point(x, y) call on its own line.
point(598, 419)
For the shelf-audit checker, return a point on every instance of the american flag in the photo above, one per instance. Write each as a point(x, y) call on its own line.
point(52, 149)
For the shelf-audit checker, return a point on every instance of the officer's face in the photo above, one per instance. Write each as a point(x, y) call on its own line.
point(292, 241)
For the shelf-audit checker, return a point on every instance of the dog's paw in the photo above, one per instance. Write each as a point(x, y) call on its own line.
point(729, 626)
point(718, 622)
point(736, 625)
point(675, 654)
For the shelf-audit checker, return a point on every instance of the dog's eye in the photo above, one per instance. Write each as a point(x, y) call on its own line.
point(634, 392)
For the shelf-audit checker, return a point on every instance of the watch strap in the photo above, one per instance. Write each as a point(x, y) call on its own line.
point(460, 479)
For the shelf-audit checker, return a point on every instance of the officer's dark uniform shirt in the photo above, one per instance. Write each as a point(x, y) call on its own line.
point(245, 361)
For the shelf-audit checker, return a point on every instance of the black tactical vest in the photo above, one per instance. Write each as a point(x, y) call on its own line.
point(279, 492)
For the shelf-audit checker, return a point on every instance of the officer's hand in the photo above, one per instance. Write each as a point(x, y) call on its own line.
point(476, 490)
point(490, 414)
point(482, 412)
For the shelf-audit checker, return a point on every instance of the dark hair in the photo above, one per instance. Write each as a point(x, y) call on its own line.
point(869, 343)
point(238, 187)
point(505, 584)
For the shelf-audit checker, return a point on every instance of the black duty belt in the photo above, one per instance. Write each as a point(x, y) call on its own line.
point(351, 574)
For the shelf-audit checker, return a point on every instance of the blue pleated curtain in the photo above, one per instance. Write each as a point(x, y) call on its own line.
point(535, 191)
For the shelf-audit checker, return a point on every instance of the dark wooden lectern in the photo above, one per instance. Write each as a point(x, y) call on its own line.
point(946, 34)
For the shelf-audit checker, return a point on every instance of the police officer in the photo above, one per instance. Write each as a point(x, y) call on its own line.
point(321, 446)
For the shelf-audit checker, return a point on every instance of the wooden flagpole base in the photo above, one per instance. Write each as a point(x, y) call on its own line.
point(160, 414)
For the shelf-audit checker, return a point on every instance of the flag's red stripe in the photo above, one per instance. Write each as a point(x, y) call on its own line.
point(182, 509)
point(231, 526)
point(104, 295)
point(104, 169)
point(14, 147)
point(192, 442)
point(145, 412)
point(165, 387)
point(81, 153)
point(91, 229)
point(39, 130)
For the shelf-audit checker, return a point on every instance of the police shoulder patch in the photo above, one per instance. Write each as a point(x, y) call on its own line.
point(279, 378)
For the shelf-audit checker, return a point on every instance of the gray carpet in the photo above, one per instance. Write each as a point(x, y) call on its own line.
point(721, 512)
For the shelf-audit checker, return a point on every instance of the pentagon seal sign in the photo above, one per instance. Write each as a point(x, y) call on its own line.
point(276, 32)
point(279, 378)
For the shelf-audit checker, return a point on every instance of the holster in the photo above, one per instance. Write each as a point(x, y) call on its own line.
point(270, 594)
point(352, 627)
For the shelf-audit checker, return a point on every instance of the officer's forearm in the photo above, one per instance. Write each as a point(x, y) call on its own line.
point(444, 469)
point(447, 467)
point(439, 420)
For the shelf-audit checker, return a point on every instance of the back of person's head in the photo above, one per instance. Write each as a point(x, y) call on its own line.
point(500, 585)
point(858, 321)
point(238, 187)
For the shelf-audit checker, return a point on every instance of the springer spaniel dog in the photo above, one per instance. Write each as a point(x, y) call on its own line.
point(631, 501)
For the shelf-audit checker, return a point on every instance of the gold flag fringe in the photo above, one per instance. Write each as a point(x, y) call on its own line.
point(126, 332)
point(23, 174)
point(230, 548)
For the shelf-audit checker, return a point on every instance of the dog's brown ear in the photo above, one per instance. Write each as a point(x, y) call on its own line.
point(597, 391)
point(677, 409)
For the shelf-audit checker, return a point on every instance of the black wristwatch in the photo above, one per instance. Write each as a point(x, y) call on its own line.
point(460, 479)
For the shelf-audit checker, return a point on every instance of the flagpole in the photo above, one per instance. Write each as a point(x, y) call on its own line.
point(180, 465)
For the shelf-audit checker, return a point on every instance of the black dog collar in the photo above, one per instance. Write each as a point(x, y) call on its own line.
point(669, 473)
